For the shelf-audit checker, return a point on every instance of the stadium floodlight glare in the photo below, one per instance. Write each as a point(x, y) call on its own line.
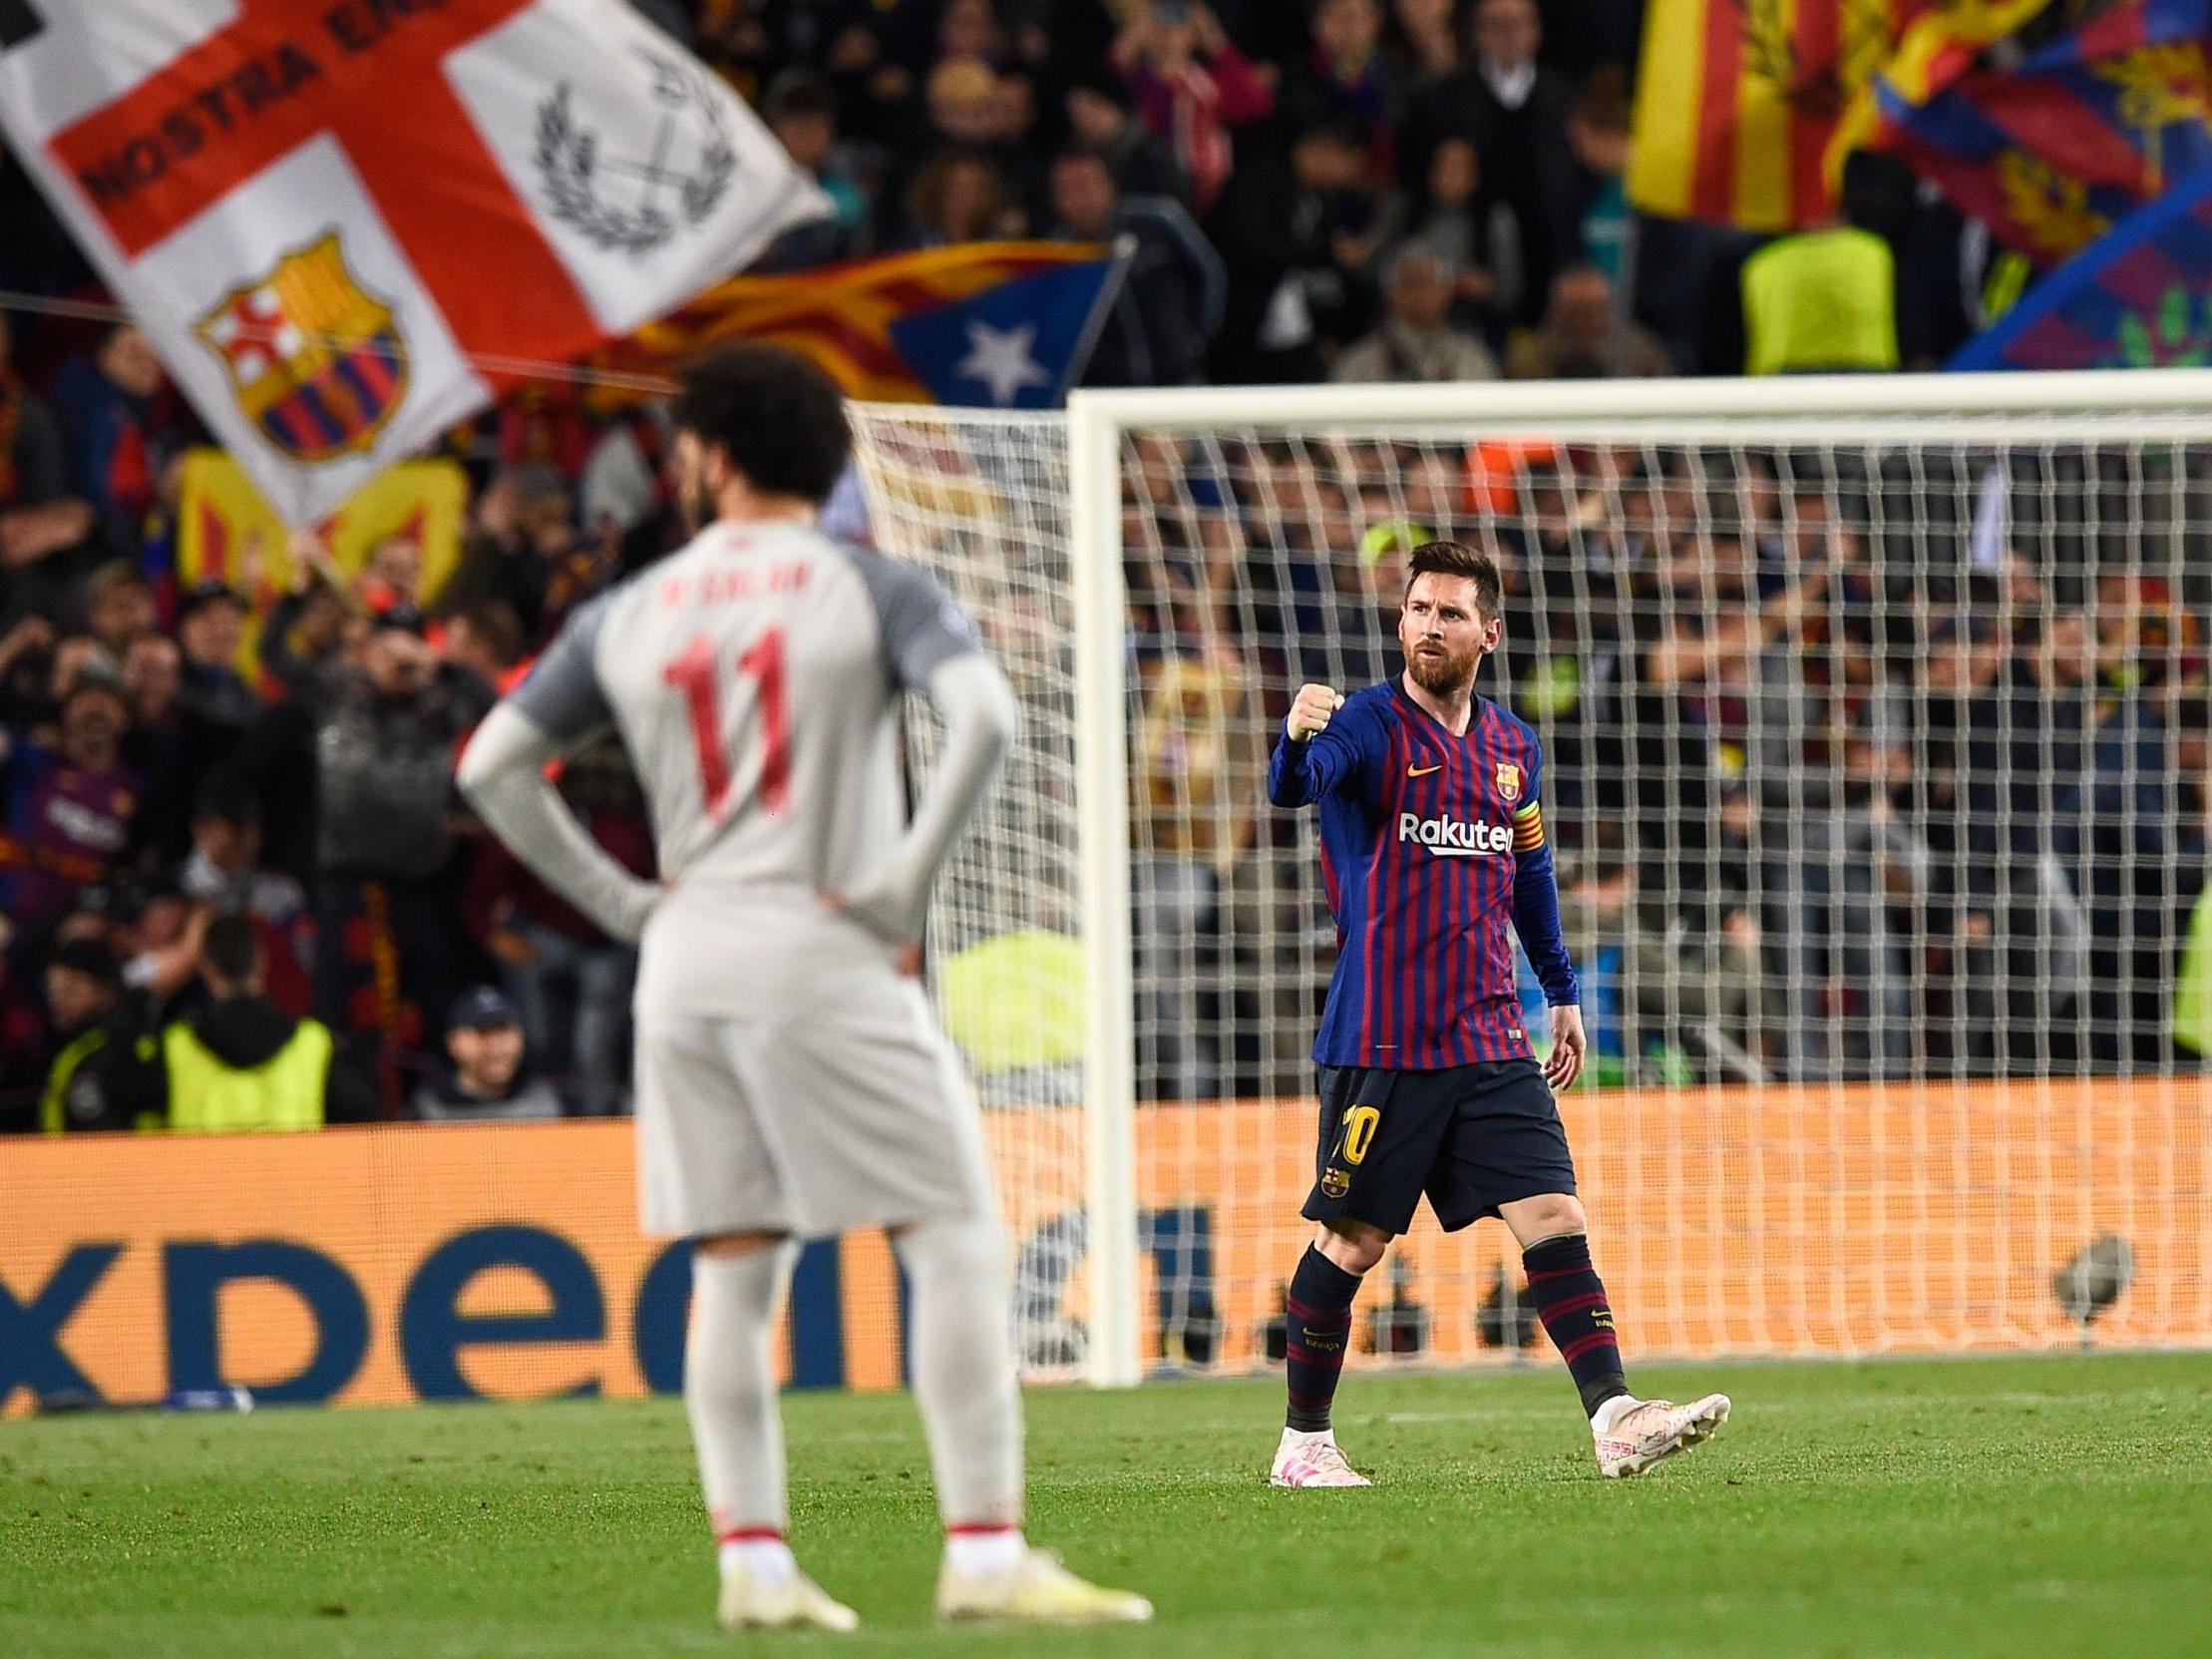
point(1864, 748)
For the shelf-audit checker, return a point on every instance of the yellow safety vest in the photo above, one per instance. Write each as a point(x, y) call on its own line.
point(285, 1092)
point(52, 1115)
point(1824, 300)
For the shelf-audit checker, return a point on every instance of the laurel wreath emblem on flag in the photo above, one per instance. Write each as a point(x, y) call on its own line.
point(574, 168)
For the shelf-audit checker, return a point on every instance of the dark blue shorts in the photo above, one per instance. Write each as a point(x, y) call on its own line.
point(1471, 1137)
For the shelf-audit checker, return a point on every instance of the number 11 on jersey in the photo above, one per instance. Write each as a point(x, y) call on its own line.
point(692, 674)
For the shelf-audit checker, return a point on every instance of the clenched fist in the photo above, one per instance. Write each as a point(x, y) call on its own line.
point(1309, 712)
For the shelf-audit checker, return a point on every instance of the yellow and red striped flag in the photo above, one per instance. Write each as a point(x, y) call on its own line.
point(1736, 101)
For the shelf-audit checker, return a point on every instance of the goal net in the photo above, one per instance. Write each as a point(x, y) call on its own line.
point(1875, 764)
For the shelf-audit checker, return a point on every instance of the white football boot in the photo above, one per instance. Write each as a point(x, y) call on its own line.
point(798, 1603)
point(1655, 1430)
point(1036, 1589)
point(1312, 1461)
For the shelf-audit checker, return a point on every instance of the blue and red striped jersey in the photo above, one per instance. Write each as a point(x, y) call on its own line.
point(1431, 844)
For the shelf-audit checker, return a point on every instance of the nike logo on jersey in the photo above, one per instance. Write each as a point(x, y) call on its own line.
point(1423, 771)
point(1454, 836)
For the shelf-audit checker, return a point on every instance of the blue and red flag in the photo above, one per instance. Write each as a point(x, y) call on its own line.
point(2053, 142)
point(2139, 297)
point(999, 324)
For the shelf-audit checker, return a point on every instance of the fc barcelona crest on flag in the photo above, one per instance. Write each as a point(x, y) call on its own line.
point(1509, 782)
point(316, 359)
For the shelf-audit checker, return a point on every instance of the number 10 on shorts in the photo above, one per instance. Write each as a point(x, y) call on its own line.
point(1359, 1132)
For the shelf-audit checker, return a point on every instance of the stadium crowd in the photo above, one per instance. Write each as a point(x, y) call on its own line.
point(223, 861)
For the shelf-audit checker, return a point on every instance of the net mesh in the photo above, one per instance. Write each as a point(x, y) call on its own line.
point(1876, 768)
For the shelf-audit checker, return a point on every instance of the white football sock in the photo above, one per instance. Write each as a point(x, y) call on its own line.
point(1612, 1411)
point(729, 1391)
point(985, 1554)
point(768, 1562)
point(963, 1373)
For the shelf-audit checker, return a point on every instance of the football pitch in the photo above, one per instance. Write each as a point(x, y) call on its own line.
point(2013, 1507)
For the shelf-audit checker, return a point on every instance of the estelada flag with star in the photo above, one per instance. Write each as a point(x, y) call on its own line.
point(346, 223)
point(1006, 325)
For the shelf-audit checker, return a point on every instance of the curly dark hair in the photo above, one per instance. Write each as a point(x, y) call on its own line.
point(1458, 559)
point(779, 418)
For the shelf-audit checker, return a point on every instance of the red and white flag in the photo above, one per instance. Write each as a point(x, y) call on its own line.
point(345, 224)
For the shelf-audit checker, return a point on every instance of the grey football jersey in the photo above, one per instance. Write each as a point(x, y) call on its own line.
point(755, 678)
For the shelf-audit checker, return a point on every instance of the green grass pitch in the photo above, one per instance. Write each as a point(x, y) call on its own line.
point(2007, 1508)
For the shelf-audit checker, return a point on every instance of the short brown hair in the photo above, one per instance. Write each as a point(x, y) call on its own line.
point(1458, 559)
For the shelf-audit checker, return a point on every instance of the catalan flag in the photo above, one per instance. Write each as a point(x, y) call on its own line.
point(1736, 104)
point(1001, 324)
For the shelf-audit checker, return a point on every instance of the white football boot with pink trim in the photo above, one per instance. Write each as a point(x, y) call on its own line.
point(1312, 1461)
point(1652, 1431)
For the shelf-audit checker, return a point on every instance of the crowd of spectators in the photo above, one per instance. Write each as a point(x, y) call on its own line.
point(221, 861)
point(236, 885)
point(1388, 188)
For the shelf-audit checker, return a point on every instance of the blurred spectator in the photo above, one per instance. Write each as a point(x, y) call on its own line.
point(958, 197)
point(1451, 219)
point(40, 521)
point(119, 607)
point(521, 529)
point(1515, 113)
point(1427, 40)
point(159, 745)
point(391, 576)
point(103, 1074)
point(802, 113)
point(225, 866)
point(223, 874)
point(1585, 337)
point(120, 437)
point(1344, 78)
point(1296, 251)
point(305, 636)
point(569, 980)
point(70, 804)
point(211, 627)
point(484, 643)
point(972, 112)
point(1100, 119)
point(26, 671)
point(1200, 741)
point(1598, 131)
point(1193, 89)
point(242, 1064)
point(487, 1082)
point(1172, 295)
point(1416, 341)
point(384, 745)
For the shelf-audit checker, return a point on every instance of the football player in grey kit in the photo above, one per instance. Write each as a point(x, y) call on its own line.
point(791, 1081)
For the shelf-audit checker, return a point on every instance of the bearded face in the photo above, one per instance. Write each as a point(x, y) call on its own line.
point(1444, 633)
point(694, 491)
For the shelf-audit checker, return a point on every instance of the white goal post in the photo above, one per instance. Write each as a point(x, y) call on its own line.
point(1159, 567)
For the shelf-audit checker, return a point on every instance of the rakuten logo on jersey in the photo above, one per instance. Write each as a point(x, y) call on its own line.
point(1455, 837)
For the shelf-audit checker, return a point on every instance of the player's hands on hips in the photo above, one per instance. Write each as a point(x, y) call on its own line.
point(1309, 712)
point(894, 920)
point(1570, 1045)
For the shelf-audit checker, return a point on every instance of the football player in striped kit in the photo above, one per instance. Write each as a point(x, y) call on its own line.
point(1432, 845)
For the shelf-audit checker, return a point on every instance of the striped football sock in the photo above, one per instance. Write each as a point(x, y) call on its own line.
point(1570, 1299)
